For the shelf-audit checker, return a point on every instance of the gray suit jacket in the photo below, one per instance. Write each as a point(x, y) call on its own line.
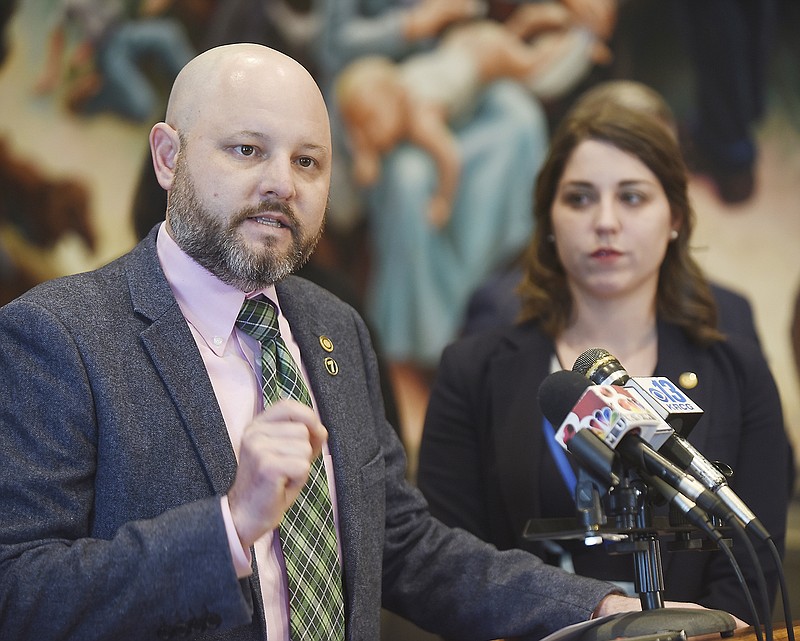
point(113, 456)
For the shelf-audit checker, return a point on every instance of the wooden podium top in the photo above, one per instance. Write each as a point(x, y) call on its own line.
point(779, 633)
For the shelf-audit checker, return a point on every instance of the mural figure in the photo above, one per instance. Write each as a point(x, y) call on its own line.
point(99, 54)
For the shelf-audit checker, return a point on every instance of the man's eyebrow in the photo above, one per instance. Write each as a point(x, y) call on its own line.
point(315, 147)
point(309, 146)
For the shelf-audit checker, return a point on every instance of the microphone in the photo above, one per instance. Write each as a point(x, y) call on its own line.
point(659, 393)
point(679, 450)
point(668, 401)
point(694, 514)
point(676, 409)
point(617, 417)
point(593, 455)
point(573, 403)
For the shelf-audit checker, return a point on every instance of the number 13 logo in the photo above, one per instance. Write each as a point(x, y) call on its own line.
point(665, 391)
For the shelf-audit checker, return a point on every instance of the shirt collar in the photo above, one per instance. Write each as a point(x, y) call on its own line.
point(209, 305)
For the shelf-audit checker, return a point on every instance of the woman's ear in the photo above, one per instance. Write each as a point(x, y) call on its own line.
point(164, 147)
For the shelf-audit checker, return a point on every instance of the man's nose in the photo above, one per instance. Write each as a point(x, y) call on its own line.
point(277, 180)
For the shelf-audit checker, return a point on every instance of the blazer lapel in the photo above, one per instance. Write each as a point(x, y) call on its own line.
point(171, 347)
point(516, 421)
point(327, 355)
point(690, 369)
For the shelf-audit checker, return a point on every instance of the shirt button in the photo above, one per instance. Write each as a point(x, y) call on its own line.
point(218, 340)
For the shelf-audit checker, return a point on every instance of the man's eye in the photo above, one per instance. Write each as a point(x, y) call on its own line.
point(305, 161)
point(247, 150)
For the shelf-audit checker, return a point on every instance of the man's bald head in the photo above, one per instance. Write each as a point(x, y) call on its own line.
point(245, 154)
point(220, 75)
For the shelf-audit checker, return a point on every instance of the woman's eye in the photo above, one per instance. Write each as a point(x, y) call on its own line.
point(247, 150)
point(305, 161)
point(577, 198)
point(633, 198)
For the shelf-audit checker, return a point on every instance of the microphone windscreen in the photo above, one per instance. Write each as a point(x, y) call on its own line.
point(589, 360)
point(558, 394)
point(601, 367)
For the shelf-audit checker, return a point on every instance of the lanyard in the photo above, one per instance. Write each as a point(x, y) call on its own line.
point(560, 457)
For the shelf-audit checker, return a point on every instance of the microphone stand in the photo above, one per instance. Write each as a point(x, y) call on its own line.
point(632, 513)
point(633, 532)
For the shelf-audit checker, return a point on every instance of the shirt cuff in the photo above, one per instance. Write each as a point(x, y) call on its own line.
point(242, 560)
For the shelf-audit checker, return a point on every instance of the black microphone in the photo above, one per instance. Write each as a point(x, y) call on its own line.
point(670, 404)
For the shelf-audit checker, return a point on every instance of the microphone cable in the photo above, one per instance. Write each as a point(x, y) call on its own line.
point(787, 614)
point(698, 518)
point(745, 588)
point(759, 572)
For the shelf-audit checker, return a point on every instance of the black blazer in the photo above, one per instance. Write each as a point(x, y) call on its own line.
point(484, 464)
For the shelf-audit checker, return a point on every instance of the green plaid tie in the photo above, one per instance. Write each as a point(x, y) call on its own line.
point(308, 535)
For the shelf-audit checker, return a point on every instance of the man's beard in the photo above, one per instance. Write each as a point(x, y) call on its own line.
point(217, 245)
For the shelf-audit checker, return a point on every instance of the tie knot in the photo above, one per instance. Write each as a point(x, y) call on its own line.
point(259, 318)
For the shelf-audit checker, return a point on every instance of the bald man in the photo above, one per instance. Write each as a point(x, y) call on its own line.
point(142, 484)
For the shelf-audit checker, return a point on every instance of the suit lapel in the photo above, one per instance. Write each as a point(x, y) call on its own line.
point(327, 355)
point(171, 347)
point(516, 421)
point(677, 358)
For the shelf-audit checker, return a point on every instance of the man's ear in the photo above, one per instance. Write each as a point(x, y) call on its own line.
point(164, 147)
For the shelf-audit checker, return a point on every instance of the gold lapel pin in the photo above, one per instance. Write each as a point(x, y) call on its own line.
point(327, 343)
point(688, 380)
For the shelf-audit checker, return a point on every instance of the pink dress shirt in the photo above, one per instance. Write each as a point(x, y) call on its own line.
point(232, 360)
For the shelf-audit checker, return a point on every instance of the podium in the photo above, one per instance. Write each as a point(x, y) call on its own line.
point(779, 633)
point(661, 624)
point(627, 626)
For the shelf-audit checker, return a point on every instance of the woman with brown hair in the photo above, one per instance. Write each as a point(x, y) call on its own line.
point(609, 266)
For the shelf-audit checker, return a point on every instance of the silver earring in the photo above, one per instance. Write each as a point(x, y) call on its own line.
point(673, 235)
